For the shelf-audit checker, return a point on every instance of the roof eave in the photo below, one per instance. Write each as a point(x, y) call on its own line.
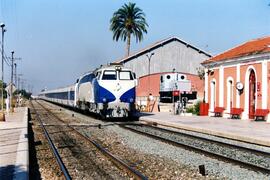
point(243, 59)
point(162, 43)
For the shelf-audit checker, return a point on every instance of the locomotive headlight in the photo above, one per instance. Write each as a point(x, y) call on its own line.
point(118, 68)
point(104, 100)
point(131, 100)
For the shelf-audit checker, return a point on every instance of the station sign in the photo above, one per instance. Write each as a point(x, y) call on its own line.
point(8, 88)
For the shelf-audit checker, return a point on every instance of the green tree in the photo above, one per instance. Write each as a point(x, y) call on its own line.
point(4, 87)
point(126, 21)
point(23, 93)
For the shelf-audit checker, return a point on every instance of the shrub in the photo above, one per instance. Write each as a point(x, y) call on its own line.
point(190, 109)
point(197, 108)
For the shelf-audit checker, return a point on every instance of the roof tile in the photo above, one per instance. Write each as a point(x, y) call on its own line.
point(253, 47)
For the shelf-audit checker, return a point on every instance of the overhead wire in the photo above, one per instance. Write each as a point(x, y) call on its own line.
point(6, 59)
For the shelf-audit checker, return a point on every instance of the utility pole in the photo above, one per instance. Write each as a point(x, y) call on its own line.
point(23, 81)
point(19, 83)
point(29, 88)
point(2, 118)
point(19, 80)
point(14, 66)
point(11, 84)
point(15, 74)
point(11, 78)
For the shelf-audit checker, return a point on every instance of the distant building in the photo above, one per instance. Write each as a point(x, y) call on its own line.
point(239, 78)
point(165, 56)
point(169, 54)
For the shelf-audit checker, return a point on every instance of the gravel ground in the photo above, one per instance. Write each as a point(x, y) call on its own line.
point(220, 139)
point(159, 160)
point(82, 160)
point(252, 157)
point(43, 164)
point(154, 166)
point(214, 167)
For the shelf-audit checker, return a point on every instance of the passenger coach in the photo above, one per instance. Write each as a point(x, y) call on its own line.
point(64, 96)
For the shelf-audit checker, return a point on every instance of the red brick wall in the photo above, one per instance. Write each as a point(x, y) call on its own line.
point(153, 82)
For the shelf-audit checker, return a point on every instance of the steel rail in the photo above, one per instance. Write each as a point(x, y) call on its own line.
point(205, 133)
point(203, 151)
point(118, 162)
point(212, 140)
point(52, 146)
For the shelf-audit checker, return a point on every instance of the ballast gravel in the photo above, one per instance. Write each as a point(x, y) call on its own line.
point(176, 157)
point(153, 166)
point(220, 139)
point(244, 155)
point(214, 167)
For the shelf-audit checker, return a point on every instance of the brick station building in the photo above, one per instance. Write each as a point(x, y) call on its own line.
point(240, 78)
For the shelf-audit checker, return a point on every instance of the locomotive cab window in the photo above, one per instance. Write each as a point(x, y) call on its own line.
point(125, 75)
point(98, 75)
point(87, 78)
point(91, 77)
point(84, 79)
point(109, 75)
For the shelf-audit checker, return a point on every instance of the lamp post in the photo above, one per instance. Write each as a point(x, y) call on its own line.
point(149, 59)
point(2, 25)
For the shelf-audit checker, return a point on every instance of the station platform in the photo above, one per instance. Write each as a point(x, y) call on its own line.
point(255, 132)
point(14, 152)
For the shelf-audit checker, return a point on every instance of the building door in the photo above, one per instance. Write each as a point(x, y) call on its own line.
point(229, 95)
point(213, 96)
point(252, 94)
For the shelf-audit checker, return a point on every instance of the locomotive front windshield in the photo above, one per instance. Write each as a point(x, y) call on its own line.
point(109, 75)
point(125, 75)
point(112, 75)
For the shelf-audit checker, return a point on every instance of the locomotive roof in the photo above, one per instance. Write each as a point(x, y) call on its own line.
point(112, 66)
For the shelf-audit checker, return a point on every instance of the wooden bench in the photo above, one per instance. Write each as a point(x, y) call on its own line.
point(236, 113)
point(260, 114)
point(218, 111)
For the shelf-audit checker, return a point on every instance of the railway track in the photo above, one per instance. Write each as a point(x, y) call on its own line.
point(226, 152)
point(115, 160)
point(52, 146)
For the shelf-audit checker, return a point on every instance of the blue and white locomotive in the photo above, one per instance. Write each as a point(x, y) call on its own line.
point(108, 91)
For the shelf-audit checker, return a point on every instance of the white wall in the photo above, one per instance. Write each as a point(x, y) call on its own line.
point(171, 55)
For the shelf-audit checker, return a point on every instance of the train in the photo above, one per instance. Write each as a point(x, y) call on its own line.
point(108, 91)
point(175, 87)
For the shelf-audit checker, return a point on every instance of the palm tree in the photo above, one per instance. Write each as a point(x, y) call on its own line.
point(128, 20)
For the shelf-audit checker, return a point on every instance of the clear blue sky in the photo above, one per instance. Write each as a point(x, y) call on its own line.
point(61, 39)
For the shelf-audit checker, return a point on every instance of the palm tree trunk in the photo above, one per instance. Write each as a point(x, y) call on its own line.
point(128, 45)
